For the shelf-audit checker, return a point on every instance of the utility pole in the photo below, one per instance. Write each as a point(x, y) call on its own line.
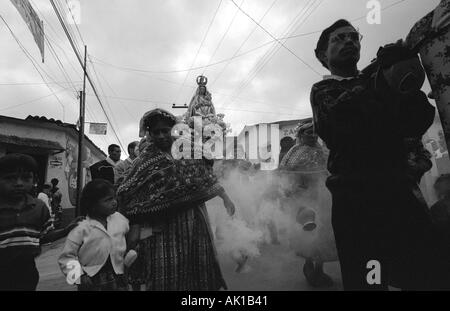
point(81, 138)
point(77, 54)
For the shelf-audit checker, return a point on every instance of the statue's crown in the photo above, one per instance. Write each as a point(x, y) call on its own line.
point(202, 80)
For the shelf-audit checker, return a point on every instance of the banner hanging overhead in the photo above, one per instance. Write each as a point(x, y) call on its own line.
point(98, 128)
point(33, 21)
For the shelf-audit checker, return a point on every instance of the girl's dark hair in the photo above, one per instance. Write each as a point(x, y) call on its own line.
point(18, 162)
point(93, 192)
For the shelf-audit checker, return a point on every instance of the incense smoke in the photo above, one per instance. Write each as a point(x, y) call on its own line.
point(264, 215)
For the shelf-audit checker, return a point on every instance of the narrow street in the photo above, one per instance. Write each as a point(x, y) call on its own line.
point(275, 270)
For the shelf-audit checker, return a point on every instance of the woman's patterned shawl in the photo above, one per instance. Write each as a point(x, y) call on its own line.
point(304, 159)
point(157, 183)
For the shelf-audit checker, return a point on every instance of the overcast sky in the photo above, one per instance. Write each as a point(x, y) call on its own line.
point(142, 49)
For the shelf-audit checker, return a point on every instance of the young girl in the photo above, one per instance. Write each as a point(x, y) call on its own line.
point(97, 245)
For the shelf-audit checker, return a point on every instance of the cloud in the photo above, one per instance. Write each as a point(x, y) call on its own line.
point(165, 35)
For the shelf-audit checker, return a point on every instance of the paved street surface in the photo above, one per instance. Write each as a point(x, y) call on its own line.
point(276, 269)
point(51, 277)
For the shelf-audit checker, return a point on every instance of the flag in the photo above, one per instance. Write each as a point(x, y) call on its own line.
point(33, 21)
point(98, 128)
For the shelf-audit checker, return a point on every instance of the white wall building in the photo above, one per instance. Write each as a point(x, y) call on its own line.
point(54, 145)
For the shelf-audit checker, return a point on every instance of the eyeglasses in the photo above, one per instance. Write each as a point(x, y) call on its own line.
point(354, 36)
point(164, 131)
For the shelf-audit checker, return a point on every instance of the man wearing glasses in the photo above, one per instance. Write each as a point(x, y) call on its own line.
point(383, 233)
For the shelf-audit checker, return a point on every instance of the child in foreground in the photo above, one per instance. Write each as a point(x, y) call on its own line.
point(95, 249)
point(24, 224)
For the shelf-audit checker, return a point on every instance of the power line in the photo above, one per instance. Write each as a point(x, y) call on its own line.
point(30, 57)
point(136, 99)
point(57, 45)
point(104, 94)
point(251, 101)
point(351, 20)
point(75, 22)
point(86, 73)
point(93, 67)
point(55, 55)
point(124, 68)
point(33, 100)
point(243, 43)
point(248, 100)
point(32, 60)
point(279, 42)
point(299, 20)
point(72, 33)
point(223, 37)
point(61, 66)
point(168, 103)
point(115, 94)
point(69, 61)
point(199, 48)
point(131, 69)
point(92, 117)
point(35, 83)
point(271, 52)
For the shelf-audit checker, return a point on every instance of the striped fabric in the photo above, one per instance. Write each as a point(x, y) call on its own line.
point(21, 229)
point(181, 257)
point(19, 236)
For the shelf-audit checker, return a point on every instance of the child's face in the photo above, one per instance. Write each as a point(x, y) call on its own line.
point(107, 205)
point(16, 184)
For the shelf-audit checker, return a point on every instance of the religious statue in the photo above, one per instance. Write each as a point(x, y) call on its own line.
point(201, 103)
point(202, 106)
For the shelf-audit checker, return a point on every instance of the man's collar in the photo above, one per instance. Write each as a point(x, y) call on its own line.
point(339, 78)
point(110, 161)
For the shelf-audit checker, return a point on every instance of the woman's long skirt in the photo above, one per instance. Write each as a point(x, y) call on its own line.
point(179, 256)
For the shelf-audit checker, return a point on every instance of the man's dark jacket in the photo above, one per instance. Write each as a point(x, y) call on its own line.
point(365, 127)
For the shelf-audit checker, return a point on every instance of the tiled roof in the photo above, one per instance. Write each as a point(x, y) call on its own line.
point(62, 124)
point(54, 122)
point(30, 142)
